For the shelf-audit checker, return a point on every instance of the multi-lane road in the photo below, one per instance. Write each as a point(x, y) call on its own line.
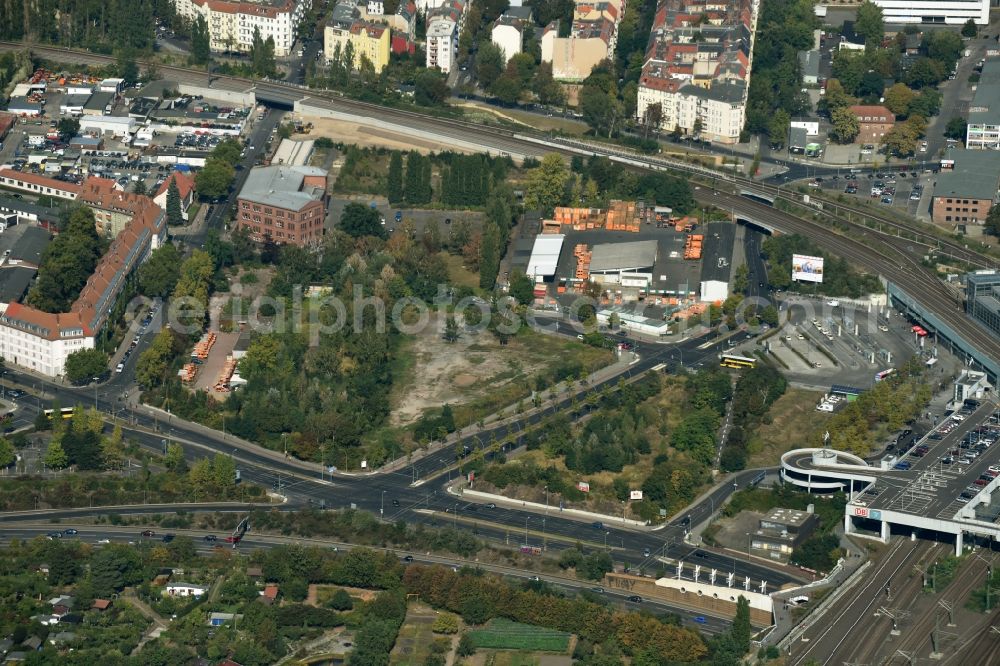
point(97, 535)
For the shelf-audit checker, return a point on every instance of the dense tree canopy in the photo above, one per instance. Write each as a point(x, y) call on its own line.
point(67, 263)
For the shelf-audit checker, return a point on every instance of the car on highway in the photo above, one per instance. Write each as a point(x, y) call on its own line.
point(408, 558)
point(534, 579)
point(901, 466)
point(147, 533)
point(103, 542)
point(70, 532)
point(211, 537)
point(54, 535)
point(700, 619)
point(597, 590)
point(646, 552)
point(167, 538)
point(395, 502)
point(635, 598)
point(491, 505)
point(16, 393)
point(233, 539)
point(597, 525)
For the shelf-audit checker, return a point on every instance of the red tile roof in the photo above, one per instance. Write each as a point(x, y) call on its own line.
point(86, 315)
point(41, 181)
point(185, 184)
point(878, 113)
point(101, 604)
point(271, 592)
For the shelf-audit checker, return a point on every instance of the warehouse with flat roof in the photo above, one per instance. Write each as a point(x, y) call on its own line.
point(545, 256)
point(629, 264)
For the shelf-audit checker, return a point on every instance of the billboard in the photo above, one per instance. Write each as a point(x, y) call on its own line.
point(635, 495)
point(806, 268)
point(583, 486)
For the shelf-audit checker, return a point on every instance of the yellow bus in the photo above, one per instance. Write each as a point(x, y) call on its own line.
point(738, 362)
point(65, 412)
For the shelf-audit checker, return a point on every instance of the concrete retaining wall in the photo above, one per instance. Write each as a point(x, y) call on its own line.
point(217, 94)
point(722, 606)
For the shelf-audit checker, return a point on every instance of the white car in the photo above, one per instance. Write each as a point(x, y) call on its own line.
point(104, 541)
point(833, 304)
point(119, 367)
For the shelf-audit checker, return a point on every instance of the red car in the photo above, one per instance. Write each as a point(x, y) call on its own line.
point(232, 538)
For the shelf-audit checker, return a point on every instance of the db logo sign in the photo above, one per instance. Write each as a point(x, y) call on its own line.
point(861, 511)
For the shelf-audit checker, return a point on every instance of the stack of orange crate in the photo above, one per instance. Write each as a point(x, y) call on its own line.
point(582, 255)
point(684, 224)
point(188, 372)
point(228, 368)
point(204, 346)
point(692, 246)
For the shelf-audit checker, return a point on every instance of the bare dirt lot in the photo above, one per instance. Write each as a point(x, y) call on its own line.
point(475, 369)
point(346, 132)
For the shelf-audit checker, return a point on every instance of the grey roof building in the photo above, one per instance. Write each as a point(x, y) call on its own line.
point(98, 102)
point(976, 175)
point(809, 62)
point(14, 283)
point(282, 186)
point(623, 257)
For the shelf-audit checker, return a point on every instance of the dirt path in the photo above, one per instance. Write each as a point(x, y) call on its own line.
point(159, 624)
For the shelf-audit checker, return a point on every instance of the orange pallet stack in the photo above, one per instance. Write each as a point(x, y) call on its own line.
point(188, 372)
point(692, 246)
point(228, 368)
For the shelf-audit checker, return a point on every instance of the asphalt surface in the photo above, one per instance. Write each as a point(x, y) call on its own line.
point(897, 260)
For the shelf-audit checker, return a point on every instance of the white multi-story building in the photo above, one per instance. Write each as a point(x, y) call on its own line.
point(508, 34)
point(983, 129)
point(231, 24)
point(955, 12)
point(444, 25)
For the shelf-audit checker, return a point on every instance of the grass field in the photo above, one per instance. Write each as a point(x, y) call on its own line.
point(458, 273)
point(501, 634)
point(794, 418)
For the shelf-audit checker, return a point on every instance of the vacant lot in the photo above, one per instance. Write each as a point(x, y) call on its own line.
point(501, 634)
point(476, 374)
point(358, 133)
point(794, 418)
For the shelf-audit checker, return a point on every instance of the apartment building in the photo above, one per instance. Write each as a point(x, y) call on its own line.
point(593, 37)
point(508, 33)
point(983, 131)
point(286, 204)
point(231, 24)
point(874, 122)
point(41, 341)
point(696, 73)
point(444, 25)
point(367, 40)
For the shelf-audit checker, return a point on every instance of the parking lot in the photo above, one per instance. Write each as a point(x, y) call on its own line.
point(906, 191)
point(843, 343)
point(954, 464)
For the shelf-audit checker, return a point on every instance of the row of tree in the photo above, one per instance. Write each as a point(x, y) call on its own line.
point(756, 390)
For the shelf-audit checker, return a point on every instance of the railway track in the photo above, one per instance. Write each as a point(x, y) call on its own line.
point(917, 637)
point(849, 613)
point(882, 252)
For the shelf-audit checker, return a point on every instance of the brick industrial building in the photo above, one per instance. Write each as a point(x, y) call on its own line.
point(286, 204)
